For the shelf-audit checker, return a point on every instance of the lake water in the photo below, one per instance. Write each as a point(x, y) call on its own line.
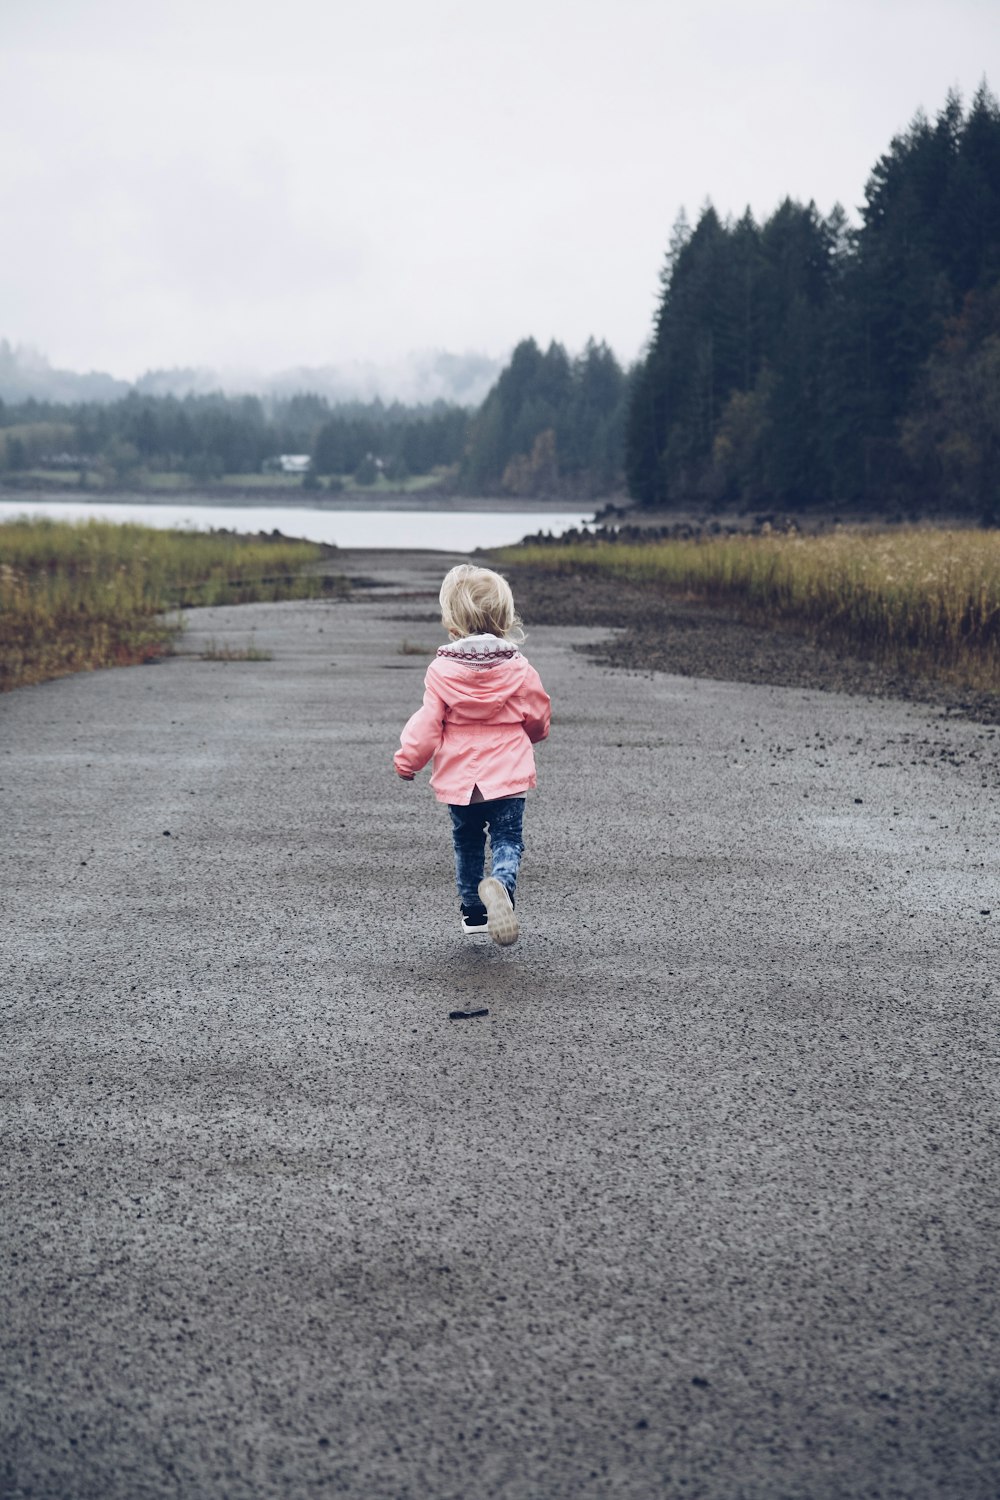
point(438, 530)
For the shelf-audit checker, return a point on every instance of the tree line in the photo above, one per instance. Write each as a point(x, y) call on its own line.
point(551, 424)
point(803, 361)
point(799, 362)
point(210, 436)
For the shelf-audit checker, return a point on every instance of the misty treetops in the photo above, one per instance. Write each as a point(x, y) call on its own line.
point(798, 362)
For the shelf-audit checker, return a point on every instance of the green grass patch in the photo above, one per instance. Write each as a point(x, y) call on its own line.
point(175, 481)
point(57, 479)
point(382, 486)
point(293, 483)
point(257, 481)
point(169, 481)
point(96, 594)
point(39, 437)
point(925, 600)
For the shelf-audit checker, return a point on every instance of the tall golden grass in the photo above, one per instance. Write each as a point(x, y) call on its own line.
point(926, 600)
point(75, 596)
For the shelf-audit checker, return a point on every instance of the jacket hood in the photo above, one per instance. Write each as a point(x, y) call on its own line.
point(479, 673)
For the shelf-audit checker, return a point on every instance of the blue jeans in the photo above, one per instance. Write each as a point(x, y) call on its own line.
point(469, 822)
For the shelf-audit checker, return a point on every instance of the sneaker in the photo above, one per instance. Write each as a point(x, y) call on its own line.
point(501, 921)
point(473, 918)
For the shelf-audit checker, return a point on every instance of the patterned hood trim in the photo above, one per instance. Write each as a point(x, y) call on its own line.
point(479, 651)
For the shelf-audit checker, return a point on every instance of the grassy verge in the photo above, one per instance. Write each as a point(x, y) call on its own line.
point(78, 596)
point(924, 601)
point(347, 485)
point(157, 482)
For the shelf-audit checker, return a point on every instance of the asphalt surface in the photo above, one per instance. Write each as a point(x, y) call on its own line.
point(707, 1206)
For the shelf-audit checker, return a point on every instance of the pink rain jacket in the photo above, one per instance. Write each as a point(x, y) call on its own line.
point(484, 707)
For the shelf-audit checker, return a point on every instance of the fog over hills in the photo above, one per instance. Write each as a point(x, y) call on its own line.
point(421, 377)
point(24, 373)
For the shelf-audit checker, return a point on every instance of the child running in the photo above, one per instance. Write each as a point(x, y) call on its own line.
point(484, 707)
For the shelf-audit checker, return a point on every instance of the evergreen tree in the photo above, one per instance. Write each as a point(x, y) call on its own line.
point(550, 424)
point(951, 435)
point(785, 363)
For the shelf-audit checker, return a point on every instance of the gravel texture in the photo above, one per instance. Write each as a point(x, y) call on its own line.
point(706, 1206)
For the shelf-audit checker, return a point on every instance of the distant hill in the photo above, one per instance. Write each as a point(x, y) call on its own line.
point(24, 373)
point(421, 378)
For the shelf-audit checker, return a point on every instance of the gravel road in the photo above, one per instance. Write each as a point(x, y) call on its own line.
point(707, 1206)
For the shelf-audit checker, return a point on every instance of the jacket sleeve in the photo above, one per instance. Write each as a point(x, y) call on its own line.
point(536, 706)
point(423, 732)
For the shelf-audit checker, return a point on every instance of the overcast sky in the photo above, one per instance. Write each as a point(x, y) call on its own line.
point(316, 181)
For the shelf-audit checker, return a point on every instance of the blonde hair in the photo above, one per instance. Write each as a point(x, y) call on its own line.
point(477, 601)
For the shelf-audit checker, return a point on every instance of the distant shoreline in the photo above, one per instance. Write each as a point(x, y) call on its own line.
point(614, 512)
point(302, 499)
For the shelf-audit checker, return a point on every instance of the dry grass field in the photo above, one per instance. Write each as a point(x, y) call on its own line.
point(924, 600)
point(96, 594)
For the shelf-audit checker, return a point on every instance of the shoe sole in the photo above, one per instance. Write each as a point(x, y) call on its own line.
point(501, 923)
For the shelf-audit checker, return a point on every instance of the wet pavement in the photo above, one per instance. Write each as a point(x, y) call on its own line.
point(707, 1205)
